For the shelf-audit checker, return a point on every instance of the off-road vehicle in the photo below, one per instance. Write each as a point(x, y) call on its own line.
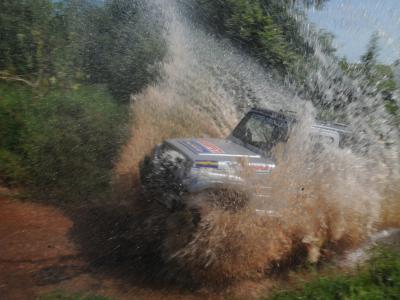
point(179, 168)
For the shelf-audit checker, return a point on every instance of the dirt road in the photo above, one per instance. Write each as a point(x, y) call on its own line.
point(39, 254)
point(38, 257)
point(35, 254)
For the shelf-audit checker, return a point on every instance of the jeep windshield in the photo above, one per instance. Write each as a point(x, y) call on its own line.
point(261, 131)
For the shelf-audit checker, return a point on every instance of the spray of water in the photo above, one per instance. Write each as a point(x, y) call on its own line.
point(375, 132)
point(206, 85)
point(323, 201)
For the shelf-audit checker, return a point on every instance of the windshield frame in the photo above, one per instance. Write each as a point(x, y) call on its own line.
point(274, 120)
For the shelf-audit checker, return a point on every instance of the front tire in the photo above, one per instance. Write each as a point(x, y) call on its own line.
point(161, 178)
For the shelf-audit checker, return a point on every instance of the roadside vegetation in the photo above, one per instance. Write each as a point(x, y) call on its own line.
point(66, 296)
point(60, 145)
point(378, 279)
point(67, 70)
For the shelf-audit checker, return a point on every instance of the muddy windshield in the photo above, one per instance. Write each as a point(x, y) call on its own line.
point(260, 131)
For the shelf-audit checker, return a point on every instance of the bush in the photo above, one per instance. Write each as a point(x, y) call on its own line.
point(380, 279)
point(61, 145)
point(13, 107)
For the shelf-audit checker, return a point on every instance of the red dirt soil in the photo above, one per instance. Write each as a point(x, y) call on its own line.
point(37, 257)
point(35, 252)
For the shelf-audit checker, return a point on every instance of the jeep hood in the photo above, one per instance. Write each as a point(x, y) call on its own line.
point(207, 149)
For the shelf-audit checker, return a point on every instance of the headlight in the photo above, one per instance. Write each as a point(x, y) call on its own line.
point(214, 170)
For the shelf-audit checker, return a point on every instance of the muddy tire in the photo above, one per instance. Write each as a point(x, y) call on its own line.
point(161, 178)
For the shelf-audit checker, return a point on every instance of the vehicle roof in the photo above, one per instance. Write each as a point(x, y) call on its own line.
point(290, 117)
point(341, 128)
point(278, 115)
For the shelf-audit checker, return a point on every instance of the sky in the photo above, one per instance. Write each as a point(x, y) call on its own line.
point(354, 21)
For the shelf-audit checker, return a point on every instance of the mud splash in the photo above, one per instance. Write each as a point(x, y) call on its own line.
point(155, 118)
point(319, 207)
point(324, 202)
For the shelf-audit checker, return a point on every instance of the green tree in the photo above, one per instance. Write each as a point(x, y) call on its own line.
point(370, 57)
point(379, 78)
point(251, 24)
point(63, 43)
point(35, 41)
point(22, 27)
point(266, 29)
point(122, 46)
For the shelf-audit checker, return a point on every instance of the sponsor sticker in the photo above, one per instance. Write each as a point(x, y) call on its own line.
point(211, 147)
point(206, 164)
point(194, 146)
point(201, 146)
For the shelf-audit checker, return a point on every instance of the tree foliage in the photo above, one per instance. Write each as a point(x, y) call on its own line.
point(254, 26)
point(46, 44)
point(37, 44)
point(122, 47)
point(267, 29)
point(370, 57)
point(377, 78)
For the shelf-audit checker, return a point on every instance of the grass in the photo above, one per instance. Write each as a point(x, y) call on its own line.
point(65, 296)
point(378, 279)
